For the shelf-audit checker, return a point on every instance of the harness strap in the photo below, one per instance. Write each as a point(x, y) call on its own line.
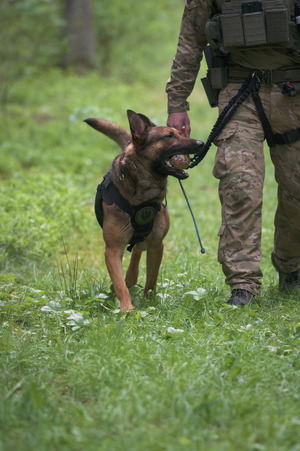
point(287, 137)
point(272, 139)
point(142, 216)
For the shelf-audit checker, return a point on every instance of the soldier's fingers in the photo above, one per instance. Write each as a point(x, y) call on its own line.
point(186, 130)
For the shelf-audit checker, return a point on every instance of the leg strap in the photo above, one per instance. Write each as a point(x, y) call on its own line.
point(273, 139)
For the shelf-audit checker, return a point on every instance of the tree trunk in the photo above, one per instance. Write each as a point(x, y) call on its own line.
point(80, 35)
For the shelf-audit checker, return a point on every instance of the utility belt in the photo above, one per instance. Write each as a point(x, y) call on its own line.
point(250, 86)
point(266, 76)
point(219, 75)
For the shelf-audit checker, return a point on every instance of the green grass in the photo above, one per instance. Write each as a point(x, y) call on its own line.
point(184, 371)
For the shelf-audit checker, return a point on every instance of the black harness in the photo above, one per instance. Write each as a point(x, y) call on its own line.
point(142, 216)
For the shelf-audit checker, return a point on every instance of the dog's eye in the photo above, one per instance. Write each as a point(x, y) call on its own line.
point(170, 135)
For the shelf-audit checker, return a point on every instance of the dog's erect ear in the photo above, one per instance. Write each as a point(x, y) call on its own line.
point(139, 126)
point(146, 119)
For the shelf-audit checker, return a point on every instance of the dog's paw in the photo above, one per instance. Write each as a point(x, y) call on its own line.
point(126, 309)
point(150, 294)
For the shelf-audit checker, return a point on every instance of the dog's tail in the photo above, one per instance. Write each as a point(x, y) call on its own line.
point(111, 130)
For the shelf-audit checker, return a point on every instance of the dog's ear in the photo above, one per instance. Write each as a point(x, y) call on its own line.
point(139, 126)
point(146, 119)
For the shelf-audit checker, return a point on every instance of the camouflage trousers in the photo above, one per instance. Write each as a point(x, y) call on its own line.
point(240, 168)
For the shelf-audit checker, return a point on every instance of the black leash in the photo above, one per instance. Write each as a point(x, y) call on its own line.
point(225, 117)
point(251, 86)
point(222, 120)
point(193, 217)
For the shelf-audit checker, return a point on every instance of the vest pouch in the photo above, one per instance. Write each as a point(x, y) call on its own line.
point(277, 25)
point(213, 32)
point(232, 28)
point(254, 28)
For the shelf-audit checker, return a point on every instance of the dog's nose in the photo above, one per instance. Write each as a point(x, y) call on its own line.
point(199, 143)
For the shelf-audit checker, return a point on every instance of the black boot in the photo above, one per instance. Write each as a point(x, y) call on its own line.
point(240, 297)
point(289, 281)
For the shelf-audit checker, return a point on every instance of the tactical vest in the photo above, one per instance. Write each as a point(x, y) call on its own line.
point(259, 23)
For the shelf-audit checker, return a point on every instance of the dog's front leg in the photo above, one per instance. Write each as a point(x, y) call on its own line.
point(113, 259)
point(154, 258)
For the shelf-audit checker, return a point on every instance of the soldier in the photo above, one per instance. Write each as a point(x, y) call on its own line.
point(261, 39)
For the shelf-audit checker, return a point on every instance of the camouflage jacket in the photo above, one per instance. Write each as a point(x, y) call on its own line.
point(192, 40)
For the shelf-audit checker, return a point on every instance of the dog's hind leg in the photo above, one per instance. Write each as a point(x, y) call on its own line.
point(133, 268)
point(154, 258)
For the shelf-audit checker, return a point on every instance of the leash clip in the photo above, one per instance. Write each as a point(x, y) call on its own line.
point(256, 76)
point(263, 76)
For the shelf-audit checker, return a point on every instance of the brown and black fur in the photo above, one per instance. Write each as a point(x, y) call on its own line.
point(140, 173)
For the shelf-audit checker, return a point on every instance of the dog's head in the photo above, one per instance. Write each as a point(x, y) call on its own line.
point(158, 144)
point(154, 144)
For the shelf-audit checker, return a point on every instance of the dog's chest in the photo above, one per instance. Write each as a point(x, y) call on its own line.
point(136, 181)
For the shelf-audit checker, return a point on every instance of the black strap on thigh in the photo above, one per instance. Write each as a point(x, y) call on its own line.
point(273, 139)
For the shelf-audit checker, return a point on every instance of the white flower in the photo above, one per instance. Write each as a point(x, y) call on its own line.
point(101, 296)
point(143, 314)
point(171, 330)
point(76, 320)
point(197, 294)
point(76, 316)
point(51, 307)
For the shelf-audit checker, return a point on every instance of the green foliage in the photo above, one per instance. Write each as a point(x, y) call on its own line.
point(129, 36)
point(31, 34)
point(37, 213)
point(184, 371)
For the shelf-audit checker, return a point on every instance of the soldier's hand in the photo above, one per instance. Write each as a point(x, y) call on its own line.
point(181, 122)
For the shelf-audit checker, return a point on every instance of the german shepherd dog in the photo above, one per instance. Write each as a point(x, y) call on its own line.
point(129, 202)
